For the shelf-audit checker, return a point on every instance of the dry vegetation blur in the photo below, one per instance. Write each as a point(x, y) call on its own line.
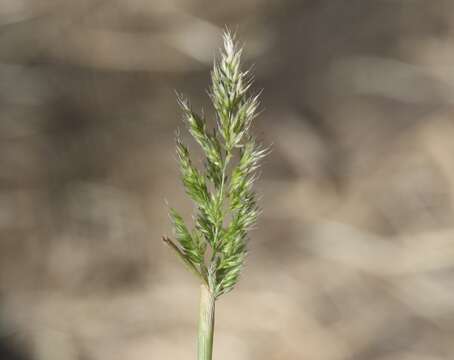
point(353, 258)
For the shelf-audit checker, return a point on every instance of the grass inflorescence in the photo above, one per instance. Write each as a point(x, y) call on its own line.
point(215, 247)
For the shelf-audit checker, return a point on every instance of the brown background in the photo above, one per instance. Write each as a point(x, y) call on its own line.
point(353, 258)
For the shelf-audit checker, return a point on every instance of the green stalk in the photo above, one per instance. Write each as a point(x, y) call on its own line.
point(206, 324)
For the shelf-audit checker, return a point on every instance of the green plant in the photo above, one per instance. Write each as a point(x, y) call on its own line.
point(215, 249)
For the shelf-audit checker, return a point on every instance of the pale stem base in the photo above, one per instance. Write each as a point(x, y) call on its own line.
point(206, 324)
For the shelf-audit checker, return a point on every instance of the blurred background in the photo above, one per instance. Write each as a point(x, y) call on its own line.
point(353, 258)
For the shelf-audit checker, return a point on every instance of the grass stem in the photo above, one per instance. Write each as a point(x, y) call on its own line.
point(206, 324)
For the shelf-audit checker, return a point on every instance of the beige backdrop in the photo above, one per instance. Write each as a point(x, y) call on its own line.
point(353, 257)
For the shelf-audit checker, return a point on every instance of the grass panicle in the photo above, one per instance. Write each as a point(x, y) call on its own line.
point(214, 249)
